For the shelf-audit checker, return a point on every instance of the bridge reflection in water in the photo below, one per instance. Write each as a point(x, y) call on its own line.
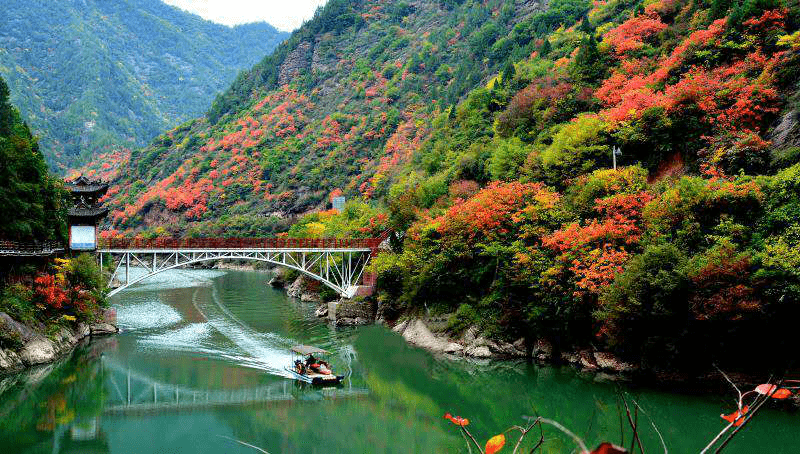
point(134, 392)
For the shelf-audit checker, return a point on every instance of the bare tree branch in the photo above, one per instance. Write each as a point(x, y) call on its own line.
point(581, 444)
point(464, 429)
point(635, 440)
point(652, 423)
point(245, 444)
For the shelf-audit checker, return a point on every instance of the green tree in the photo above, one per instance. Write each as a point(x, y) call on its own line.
point(33, 201)
point(588, 66)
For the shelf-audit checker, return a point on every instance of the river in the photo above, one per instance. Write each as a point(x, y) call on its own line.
point(199, 365)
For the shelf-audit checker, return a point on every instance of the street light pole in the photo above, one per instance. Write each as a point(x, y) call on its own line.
point(614, 157)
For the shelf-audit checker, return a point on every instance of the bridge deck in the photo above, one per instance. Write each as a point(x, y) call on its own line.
point(261, 244)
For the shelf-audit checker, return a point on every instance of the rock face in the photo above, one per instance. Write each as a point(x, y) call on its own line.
point(39, 349)
point(473, 344)
point(303, 290)
point(350, 313)
point(309, 297)
point(611, 363)
point(278, 279)
point(417, 332)
point(295, 289)
point(787, 132)
point(296, 62)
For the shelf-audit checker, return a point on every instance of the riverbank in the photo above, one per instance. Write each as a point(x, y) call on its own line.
point(432, 333)
point(35, 346)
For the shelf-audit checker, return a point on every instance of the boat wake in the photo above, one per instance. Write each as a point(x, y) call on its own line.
point(253, 349)
point(146, 315)
point(214, 332)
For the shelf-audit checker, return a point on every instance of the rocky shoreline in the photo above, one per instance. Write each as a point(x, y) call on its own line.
point(424, 333)
point(430, 333)
point(38, 348)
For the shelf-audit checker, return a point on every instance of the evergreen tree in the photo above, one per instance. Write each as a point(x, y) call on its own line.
point(546, 48)
point(586, 26)
point(719, 8)
point(588, 67)
point(508, 73)
point(32, 201)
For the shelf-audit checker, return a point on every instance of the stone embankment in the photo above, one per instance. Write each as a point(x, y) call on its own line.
point(37, 348)
point(429, 335)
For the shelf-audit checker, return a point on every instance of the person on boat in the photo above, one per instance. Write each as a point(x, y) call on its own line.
point(311, 362)
point(319, 366)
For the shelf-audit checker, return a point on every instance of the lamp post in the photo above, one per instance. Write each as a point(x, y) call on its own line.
point(615, 151)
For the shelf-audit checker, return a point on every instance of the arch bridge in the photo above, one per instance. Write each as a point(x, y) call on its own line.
point(338, 263)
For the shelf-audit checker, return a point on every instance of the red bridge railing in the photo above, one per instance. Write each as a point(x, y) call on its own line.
point(239, 243)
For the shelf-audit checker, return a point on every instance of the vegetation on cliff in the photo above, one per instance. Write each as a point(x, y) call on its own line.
point(68, 291)
point(515, 221)
point(32, 291)
point(342, 104)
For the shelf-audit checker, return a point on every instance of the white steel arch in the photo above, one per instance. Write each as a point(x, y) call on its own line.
point(338, 268)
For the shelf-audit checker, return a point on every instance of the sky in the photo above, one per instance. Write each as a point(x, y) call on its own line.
point(282, 14)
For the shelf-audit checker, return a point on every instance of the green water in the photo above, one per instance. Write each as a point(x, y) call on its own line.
point(200, 363)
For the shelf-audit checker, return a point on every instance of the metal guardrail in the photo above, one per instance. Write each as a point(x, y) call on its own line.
point(238, 243)
point(30, 249)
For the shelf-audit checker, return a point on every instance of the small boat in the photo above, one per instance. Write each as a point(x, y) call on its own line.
point(308, 368)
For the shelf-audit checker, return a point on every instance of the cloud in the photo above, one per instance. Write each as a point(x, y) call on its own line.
point(285, 15)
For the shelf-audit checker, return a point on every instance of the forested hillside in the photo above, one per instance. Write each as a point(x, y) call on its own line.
point(90, 74)
point(484, 132)
point(33, 201)
point(342, 105)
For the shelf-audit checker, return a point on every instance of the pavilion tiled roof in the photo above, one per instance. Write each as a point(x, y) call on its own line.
point(83, 185)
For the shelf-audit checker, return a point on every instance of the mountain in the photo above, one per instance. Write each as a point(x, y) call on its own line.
point(346, 100)
point(90, 75)
point(617, 174)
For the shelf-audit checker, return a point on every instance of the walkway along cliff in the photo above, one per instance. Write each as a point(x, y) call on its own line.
point(53, 295)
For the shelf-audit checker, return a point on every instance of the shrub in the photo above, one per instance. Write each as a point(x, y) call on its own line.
point(464, 317)
point(508, 156)
point(16, 301)
point(578, 147)
point(9, 338)
point(643, 308)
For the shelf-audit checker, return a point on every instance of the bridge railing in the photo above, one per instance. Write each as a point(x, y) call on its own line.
point(239, 243)
point(30, 248)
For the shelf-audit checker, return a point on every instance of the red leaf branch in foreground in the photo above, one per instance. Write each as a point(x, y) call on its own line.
point(457, 420)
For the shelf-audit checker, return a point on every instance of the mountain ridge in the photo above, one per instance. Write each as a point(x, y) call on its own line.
point(360, 81)
point(90, 75)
